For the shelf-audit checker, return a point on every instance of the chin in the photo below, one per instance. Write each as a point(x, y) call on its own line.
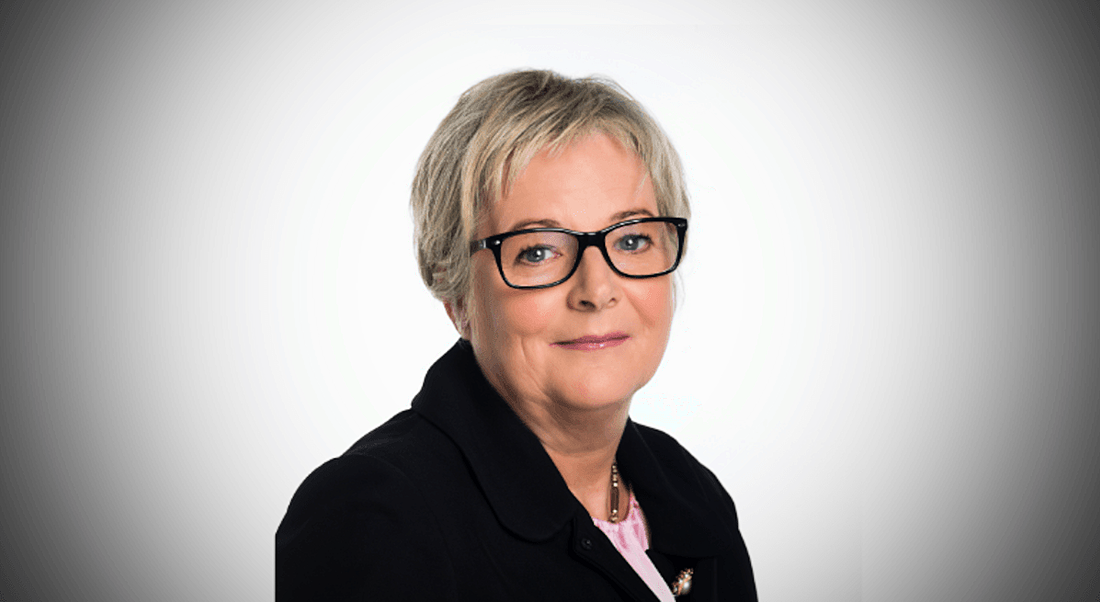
point(602, 389)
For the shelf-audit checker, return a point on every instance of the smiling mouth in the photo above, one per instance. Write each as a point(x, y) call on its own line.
point(594, 343)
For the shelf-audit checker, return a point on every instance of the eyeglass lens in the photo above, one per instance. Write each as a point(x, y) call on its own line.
point(541, 258)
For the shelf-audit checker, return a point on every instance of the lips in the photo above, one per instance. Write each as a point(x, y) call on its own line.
point(595, 342)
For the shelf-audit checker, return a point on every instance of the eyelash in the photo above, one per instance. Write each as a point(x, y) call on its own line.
point(525, 251)
point(645, 239)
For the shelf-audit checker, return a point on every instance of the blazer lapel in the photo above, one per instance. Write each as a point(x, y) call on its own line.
point(687, 523)
point(520, 481)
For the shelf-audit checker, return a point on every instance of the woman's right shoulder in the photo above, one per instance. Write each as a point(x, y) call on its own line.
point(392, 457)
point(354, 516)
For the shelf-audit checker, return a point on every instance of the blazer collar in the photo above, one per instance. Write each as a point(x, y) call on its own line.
point(522, 484)
point(682, 501)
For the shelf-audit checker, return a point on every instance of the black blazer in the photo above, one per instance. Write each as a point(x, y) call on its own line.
point(456, 499)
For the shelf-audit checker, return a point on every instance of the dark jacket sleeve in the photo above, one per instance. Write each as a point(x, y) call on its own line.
point(359, 529)
point(736, 570)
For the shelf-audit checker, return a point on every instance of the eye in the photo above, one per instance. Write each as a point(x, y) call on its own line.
point(536, 255)
point(633, 243)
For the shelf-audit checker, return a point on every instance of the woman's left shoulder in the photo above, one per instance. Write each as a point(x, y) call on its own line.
point(676, 464)
point(683, 498)
point(666, 449)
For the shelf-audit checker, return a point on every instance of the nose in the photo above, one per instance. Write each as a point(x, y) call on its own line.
point(594, 286)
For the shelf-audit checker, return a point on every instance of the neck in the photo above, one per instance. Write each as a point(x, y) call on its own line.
point(582, 445)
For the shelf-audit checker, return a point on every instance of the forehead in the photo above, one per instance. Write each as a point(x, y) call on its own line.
point(582, 186)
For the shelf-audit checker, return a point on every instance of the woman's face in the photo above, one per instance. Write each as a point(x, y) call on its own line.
point(526, 341)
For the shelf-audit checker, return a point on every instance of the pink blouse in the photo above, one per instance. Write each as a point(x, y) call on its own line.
point(630, 539)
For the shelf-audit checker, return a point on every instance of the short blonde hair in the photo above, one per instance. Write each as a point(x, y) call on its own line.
point(489, 137)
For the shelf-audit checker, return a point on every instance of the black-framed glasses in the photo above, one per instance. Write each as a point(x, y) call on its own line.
point(545, 257)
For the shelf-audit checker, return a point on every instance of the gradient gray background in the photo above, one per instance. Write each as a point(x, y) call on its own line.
point(887, 346)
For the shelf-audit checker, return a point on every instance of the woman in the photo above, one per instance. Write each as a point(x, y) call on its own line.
point(550, 214)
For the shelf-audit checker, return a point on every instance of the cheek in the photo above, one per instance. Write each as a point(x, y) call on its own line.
point(656, 309)
point(528, 313)
point(505, 314)
point(655, 303)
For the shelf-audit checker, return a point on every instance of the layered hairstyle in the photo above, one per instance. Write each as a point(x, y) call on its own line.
point(489, 137)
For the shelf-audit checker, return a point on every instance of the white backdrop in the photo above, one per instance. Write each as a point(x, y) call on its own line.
point(884, 348)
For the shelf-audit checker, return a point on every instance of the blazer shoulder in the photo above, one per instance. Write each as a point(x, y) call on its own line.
point(385, 465)
point(399, 436)
point(668, 451)
point(686, 472)
point(361, 522)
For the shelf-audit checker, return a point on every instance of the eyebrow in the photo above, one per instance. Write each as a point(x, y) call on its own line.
point(549, 223)
point(536, 223)
point(629, 213)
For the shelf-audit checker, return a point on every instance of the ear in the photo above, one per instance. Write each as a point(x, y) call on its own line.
point(456, 311)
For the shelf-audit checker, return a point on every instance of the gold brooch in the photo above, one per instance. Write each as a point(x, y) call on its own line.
point(682, 585)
